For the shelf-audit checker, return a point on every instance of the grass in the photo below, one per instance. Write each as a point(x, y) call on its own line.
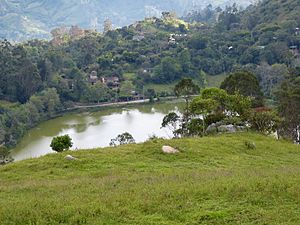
point(7, 104)
point(215, 81)
point(213, 180)
point(129, 76)
point(161, 88)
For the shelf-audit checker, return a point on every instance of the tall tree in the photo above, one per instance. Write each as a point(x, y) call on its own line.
point(246, 84)
point(288, 96)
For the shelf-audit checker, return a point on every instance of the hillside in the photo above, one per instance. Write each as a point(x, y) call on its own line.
point(20, 20)
point(276, 11)
point(213, 180)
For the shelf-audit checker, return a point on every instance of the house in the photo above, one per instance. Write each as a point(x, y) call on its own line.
point(294, 50)
point(172, 40)
point(93, 78)
point(112, 82)
point(148, 70)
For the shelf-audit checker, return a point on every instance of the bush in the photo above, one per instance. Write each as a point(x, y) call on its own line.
point(214, 118)
point(4, 156)
point(264, 122)
point(61, 143)
point(122, 139)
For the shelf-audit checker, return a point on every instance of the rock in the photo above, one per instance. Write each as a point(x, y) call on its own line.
point(70, 158)
point(250, 145)
point(212, 129)
point(169, 150)
point(227, 128)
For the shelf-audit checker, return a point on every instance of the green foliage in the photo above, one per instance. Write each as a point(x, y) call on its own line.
point(15, 121)
point(185, 88)
point(288, 97)
point(246, 84)
point(122, 139)
point(4, 156)
point(61, 143)
point(126, 89)
point(264, 122)
point(172, 122)
point(168, 70)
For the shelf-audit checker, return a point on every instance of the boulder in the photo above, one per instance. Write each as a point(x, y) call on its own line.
point(70, 158)
point(227, 128)
point(169, 150)
point(212, 129)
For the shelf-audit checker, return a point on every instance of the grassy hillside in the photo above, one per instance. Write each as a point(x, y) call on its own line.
point(214, 180)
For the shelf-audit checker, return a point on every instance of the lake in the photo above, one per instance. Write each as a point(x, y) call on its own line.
point(96, 129)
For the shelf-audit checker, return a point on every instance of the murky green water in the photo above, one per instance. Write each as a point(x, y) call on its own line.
point(96, 129)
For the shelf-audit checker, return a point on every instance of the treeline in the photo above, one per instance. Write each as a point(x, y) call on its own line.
point(157, 50)
point(16, 120)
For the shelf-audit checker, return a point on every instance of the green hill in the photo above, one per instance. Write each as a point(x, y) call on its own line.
point(213, 180)
point(28, 19)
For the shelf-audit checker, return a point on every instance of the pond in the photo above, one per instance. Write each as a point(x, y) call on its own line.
point(96, 129)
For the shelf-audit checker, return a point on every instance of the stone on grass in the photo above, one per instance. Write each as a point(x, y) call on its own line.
point(70, 158)
point(227, 129)
point(169, 150)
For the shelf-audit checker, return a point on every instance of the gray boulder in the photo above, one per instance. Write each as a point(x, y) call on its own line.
point(227, 129)
point(212, 129)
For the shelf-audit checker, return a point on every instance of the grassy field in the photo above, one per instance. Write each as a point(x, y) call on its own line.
point(215, 81)
point(213, 180)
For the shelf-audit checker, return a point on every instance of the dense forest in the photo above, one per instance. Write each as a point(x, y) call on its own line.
point(41, 78)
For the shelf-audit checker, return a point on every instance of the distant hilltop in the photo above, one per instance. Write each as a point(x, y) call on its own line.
point(23, 19)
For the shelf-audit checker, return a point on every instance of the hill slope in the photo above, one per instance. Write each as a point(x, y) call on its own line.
point(23, 19)
point(214, 180)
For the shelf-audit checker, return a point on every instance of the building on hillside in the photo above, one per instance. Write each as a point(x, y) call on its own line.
point(294, 50)
point(112, 82)
point(93, 78)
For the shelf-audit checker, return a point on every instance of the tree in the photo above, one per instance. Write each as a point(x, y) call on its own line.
point(61, 143)
point(198, 42)
point(246, 84)
point(288, 98)
point(98, 93)
point(126, 89)
point(167, 71)
point(122, 139)
point(185, 89)
point(203, 107)
point(172, 121)
point(215, 104)
point(265, 122)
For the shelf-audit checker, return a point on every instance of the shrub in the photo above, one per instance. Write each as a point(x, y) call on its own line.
point(4, 156)
point(122, 139)
point(264, 122)
point(61, 143)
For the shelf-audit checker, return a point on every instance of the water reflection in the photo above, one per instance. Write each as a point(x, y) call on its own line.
point(96, 129)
